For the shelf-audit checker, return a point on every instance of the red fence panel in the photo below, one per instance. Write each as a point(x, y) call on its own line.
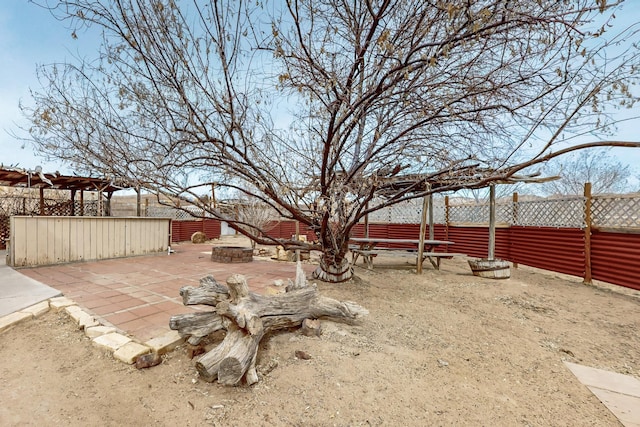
point(358, 231)
point(615, 258)
point(474, 241)
point(549, 248)
point(286, 229)
point(212, 228)
point(402, 231)
point(379, 230)
point(181, 231)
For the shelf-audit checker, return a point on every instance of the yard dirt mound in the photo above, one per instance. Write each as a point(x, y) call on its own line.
point(443, 348)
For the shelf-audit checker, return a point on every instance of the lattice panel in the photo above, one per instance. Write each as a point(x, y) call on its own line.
point(56, 208)
point(19, 206)
point(90, 208)
point(52, 207)
point(177, 214)
point(381, 216)
point(4, 231)
point(469, 213)
point(404, 213)
point(10, 206)
point(438, 213)
point(607, 211)
point(615, 211)
point(408, 212)
point(479, 214)
point(567, 212)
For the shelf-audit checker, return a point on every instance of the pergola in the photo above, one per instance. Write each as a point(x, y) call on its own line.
point(420, 183)
point(23, 178)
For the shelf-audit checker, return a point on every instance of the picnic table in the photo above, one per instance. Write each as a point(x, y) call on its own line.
point(368, 248)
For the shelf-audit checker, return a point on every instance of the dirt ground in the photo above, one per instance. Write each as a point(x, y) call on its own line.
point(444, 348)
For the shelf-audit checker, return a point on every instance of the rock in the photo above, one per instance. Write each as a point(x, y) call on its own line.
point(443, 363)
point(290, 255)
point(302, 355)
point(266, 369)
point(198, 237)
point(195, 350)
point(281, 254)
point(261, 252)
point(148, 360)
point(311, 328)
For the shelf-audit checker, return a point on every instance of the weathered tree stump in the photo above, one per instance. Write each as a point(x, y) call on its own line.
point(248, 317)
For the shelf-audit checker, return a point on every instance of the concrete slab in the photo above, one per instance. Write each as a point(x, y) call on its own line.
point(606, 380)
point(18, 291)
point(626, 408)
point(619, 393)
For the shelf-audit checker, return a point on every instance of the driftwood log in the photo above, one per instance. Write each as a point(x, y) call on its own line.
point(247, 317)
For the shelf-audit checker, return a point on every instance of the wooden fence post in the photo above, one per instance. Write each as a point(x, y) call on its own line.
point(423, 229)
point(515, 218)
point(41, 201)
point(587, 234)
point(492, 222)
point(366, 222)
point(73, 203)
point(431, 227)
point(446, 217)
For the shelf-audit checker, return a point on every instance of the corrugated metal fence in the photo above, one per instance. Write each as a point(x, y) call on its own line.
point(183, 230)
point(558, 234)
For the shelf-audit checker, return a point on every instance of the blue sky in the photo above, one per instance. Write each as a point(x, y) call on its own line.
point(29, 36)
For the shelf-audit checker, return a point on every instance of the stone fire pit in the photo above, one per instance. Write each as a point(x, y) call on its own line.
point(231, 254)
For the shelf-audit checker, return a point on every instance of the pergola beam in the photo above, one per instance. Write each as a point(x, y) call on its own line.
point(23, 178)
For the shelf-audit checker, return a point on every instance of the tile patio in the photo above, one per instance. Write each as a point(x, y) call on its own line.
point(138, 295)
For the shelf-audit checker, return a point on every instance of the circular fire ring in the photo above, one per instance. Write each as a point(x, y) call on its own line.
point(231, 254)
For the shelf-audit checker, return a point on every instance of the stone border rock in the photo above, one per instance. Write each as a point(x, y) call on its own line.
point(123, 348)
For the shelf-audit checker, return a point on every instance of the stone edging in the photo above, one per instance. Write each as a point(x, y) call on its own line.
point(124, 348)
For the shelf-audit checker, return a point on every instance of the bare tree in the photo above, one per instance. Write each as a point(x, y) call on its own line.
point(378, 98)
point(600, 168)
point(254, 216)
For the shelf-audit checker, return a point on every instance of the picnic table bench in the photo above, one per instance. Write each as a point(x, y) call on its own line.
point(368, 249)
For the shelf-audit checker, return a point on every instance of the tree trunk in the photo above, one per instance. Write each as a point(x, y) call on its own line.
point(196, 325)
point(333, 268)
point(248, 317)
point(230, 360)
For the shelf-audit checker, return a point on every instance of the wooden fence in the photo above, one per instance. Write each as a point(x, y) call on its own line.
point(46, 240)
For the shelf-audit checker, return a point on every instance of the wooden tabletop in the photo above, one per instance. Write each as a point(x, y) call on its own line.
point(386, 240)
